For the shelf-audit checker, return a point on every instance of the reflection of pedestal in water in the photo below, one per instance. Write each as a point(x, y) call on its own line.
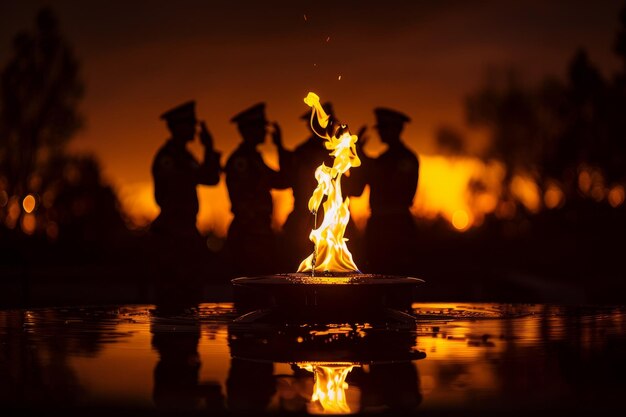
point(337, 297)
point(374, 360)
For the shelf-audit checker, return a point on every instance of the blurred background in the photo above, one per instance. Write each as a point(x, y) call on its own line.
point(517, 118)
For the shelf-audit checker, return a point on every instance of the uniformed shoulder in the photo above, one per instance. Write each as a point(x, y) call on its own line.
point(409, 154)
point(402, 158)
point(232, 155)
point(402, 152)
point(163, 150)
point(238, 161)
point(407, 160)
point(164, 159)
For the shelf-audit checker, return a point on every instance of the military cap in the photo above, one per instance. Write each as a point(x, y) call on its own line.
point(183, 112)
point(328, 108)
point(252, 114)
point(389, 116)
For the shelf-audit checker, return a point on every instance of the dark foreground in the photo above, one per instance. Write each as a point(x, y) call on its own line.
point(463, 359)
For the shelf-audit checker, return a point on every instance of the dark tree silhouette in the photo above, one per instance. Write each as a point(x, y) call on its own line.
point(557, 130)
point(450, 142)
point(511, 112)
point(40, 89)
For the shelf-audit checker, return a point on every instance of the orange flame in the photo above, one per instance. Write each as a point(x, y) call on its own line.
point(331, 253)
point(330, 386)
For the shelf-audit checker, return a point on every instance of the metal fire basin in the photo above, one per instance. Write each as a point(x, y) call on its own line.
point(332, 297)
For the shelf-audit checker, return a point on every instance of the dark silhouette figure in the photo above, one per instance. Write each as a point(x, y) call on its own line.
point(394, 385)
point(390, 234)
point(176, 174)
point(175, 336)
point(250, 385)
point(250, 244)
point(299, 167)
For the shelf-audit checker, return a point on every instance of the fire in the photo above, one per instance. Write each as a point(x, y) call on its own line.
point(329, 390)
point(330, 252)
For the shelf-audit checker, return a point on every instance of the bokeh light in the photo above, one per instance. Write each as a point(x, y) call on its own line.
point(527, 192)
point(584, 181)
point(52, 230)
point(29, 221)
point(616, 196)
point(460, 220)
point(29, 203)
point(553, 196)
point(13, 212)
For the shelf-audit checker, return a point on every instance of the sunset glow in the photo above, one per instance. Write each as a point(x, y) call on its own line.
point(444, 190)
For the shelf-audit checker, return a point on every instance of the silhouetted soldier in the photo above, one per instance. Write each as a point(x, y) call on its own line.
point(390, 233)
point(251, 243)
point(175, 337)
point(250, 385)
point(395, 386)
point(299, 167)
point(176, 175)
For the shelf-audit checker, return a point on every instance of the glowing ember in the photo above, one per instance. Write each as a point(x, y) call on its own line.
point(331, 253)
point(329, 391)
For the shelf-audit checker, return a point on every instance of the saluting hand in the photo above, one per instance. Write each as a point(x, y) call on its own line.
point(277, 136)
point(205, 136)
point(363, 138)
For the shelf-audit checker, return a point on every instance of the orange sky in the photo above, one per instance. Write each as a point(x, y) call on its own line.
point(142, 58)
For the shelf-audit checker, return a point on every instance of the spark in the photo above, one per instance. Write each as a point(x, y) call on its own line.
point(328, 39)
point(339, 78)
point(305, 18)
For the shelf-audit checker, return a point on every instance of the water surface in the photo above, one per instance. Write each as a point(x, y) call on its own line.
point(458, 357)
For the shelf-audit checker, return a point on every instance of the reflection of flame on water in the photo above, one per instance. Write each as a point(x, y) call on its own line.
point(331, 253)
point(329, 391)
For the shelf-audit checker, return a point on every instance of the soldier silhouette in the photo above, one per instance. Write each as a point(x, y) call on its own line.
point(176, 174)
point(177, 388)
point(299, 167)
point(250, 386)
point(251, 245)
point(395, 386)
point(390, 233)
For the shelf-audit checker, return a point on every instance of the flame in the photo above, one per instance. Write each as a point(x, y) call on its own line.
point(329, 390)
point(331, 253)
